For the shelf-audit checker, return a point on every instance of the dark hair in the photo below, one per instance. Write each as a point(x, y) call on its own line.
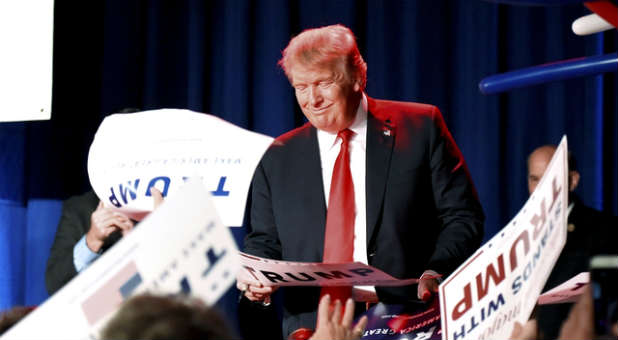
point(166, 317)
point(12, 316)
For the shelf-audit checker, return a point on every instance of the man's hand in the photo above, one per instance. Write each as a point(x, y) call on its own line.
point(255, 291)
point(427, 286)
point(103, 222)
point(580, 323)
point(331, 325)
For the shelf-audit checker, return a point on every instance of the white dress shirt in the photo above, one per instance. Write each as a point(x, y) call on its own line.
point(329, 150)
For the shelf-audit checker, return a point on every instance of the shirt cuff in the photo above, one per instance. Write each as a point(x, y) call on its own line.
point(82, 255)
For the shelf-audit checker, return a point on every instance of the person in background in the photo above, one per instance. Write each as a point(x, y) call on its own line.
point(166, 317)
point(86, 229)
point(589, 232)
point(12, 316)
point(149, 316)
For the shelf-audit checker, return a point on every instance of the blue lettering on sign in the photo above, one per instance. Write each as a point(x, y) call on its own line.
point(113, 200)
point(128, 192)
point(220, 191)
point(212, 259)
point(493, 306)
point(153, 182)
point(185, 287)
point(128, 287)
point(132, 191)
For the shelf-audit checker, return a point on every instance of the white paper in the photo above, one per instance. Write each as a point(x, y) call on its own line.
point(26, 59)
point(161, 148)
point(181, 246)
point(499, 284)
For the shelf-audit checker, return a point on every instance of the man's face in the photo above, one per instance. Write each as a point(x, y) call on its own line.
point(329, 103)
point(536, 168)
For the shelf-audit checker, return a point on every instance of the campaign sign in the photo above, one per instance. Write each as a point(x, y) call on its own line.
point(161, 148)
point(567, 292)
point(499, 284)
point(289, 273)
point(181, 247)
point(414, 320)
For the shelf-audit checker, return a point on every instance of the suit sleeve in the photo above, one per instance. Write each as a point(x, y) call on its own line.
point(459, 211)
point(60, 267)
point(262, 239)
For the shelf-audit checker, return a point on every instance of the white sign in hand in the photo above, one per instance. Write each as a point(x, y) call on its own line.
point(500, 283)
point(181, 247)
point(133, 152)
point(287, 273)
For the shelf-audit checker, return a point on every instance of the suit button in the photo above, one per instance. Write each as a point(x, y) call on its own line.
point(372, 254)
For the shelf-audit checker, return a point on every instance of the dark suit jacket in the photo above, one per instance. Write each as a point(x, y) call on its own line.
point(422, 208)
point(591, 232)
point(74, 223)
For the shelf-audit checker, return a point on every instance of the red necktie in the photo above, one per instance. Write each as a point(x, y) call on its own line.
point(339, 235)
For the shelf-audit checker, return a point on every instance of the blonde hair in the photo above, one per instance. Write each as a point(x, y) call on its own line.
point(328, 45)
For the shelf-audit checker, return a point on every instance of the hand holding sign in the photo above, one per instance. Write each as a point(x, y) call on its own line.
point(126, 160)
point(254, 290)
point(262, 272)
point(103, 222)
point(427, 285)
point(499, 285)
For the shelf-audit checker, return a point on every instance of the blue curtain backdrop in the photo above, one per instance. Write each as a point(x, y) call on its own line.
point(220, 57)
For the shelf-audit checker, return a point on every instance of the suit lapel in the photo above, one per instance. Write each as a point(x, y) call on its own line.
point(380, 141)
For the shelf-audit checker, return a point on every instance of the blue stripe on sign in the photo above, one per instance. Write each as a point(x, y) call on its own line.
point(128, 287)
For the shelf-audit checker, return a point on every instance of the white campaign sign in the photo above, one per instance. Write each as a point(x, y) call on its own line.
point(288, 273)
point(26, 60)
point(162, 148)
point(499, 284)
point(181, 247)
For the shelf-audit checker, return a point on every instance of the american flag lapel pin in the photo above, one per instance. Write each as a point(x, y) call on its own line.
point(387, 128)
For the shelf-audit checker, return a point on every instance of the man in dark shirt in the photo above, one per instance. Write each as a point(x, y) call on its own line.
point(589, 232)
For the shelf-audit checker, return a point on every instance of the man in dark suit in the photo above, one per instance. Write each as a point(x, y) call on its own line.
point(589, 232)
point(86, 229)
point(416, 209)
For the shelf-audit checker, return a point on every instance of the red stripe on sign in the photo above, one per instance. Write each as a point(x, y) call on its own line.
point(450, 278)
point(250, 257)
point(107, 298)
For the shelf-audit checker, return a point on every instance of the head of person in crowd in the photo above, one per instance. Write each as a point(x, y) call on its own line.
point(12, 316)
point(538, 162)
point(328, 74)
point(166, 317)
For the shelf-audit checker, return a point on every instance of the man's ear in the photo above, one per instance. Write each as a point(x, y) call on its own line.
point(357, 86)
point(573, 180)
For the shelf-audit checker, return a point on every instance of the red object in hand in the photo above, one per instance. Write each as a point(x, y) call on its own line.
point(301, 334)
